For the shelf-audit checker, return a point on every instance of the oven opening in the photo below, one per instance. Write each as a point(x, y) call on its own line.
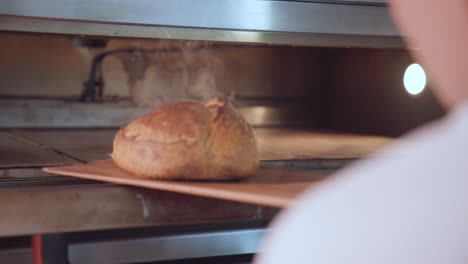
point(64, 97)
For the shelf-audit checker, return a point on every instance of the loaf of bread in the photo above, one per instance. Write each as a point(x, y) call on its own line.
point(188, 140)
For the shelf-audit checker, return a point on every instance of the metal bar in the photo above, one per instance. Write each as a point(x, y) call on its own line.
point(154, 248)
point(21, 24)
point(277, 22)
point(168, 247)
point(249, 15)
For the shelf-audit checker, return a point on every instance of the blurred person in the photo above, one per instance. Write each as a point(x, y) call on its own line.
point(408, 203)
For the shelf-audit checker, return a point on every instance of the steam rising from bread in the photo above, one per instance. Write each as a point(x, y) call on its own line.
point(190, 70)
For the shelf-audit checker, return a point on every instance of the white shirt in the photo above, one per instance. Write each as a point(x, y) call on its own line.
point(407, 204)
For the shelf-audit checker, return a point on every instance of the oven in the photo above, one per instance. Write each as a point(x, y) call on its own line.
point(321, 82)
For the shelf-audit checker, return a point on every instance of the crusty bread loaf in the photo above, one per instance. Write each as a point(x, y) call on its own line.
point(188, 140)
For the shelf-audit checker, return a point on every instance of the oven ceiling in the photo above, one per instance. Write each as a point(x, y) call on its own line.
point(310, 23)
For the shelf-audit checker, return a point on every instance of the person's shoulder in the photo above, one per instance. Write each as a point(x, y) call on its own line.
point(441, 141)
point(368, 197)
point(438, 148)
point(452, 127)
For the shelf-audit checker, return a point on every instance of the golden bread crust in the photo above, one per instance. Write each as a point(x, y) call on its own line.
point(188, 140)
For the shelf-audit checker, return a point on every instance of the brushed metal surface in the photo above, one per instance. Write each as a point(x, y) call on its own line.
point(316, 23)
point(21, 24)
point(136, 249)
point(283, 16)
point(168, 247)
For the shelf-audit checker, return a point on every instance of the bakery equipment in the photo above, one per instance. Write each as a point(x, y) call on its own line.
point(321, 82)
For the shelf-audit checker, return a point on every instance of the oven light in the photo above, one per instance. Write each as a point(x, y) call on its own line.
point(414, 79)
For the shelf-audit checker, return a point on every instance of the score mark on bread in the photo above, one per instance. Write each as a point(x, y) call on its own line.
point(188, 140)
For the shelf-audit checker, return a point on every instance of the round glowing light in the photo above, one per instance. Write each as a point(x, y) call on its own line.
point(414, 79)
